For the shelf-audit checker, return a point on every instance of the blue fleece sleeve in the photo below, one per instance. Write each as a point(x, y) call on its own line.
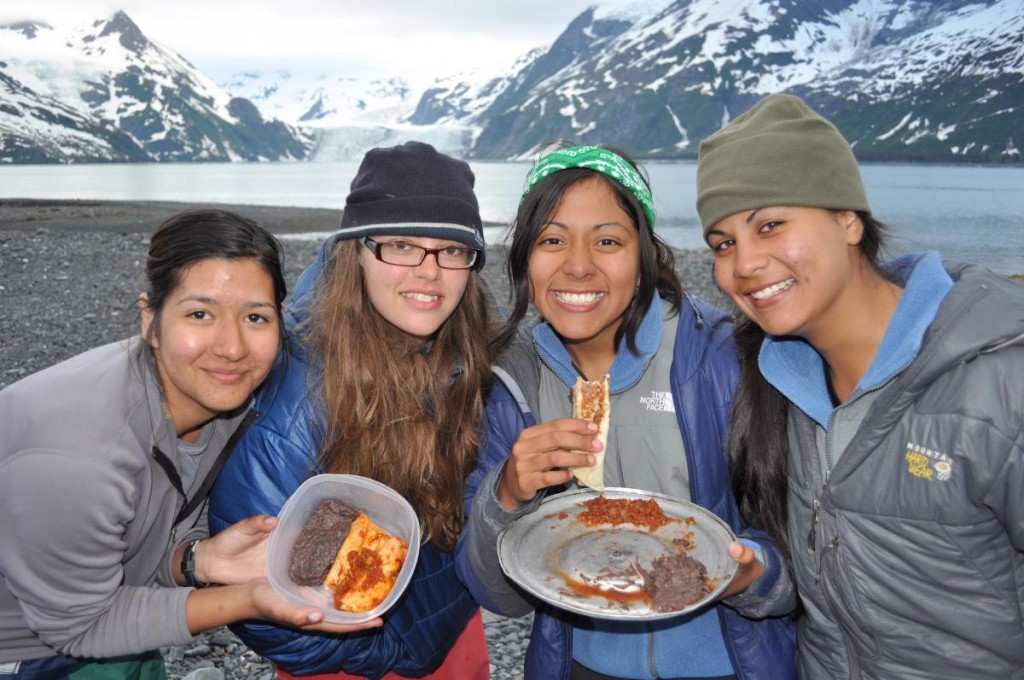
point(773, 593)
point(477, 552)
point(271, 460)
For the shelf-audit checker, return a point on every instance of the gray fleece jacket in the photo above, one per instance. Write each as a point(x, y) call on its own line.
point(88, 509)
point(909, 552)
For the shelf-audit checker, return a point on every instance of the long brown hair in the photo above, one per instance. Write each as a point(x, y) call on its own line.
point(758, 439)
point(397, 411)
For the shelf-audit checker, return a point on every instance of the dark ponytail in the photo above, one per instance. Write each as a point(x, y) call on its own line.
point(758, 438)
point(758, 444)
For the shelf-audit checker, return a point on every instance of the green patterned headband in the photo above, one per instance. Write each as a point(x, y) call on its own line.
point(601, 160)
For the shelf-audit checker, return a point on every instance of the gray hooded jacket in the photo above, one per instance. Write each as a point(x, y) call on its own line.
point(909, 558)
point(90, 514)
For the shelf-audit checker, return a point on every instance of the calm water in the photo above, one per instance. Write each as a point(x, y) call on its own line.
point(969, 213)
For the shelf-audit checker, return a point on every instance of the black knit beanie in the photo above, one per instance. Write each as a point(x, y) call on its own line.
point(413, 190)
point(780, 152)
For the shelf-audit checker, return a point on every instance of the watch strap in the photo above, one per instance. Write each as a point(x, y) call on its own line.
point(188, 565)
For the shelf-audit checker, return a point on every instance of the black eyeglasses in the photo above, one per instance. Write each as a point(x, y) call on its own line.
point(405, 254)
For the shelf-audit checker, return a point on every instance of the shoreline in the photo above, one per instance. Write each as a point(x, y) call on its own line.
point(72, 270)
point(142, 217)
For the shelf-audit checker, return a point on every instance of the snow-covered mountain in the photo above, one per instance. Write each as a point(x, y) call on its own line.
point(903, 79)
point(105, 92)
point(347, 115)
point(351, 115)
point(907, 80)
point(935, 80)
point(325, 100)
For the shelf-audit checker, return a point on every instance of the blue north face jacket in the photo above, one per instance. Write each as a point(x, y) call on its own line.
point(703, 378)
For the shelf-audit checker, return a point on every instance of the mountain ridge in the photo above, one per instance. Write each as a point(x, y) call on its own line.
point(904, 80)
point(106, 93)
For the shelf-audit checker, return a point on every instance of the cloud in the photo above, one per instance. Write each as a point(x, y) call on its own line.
point(411, 38)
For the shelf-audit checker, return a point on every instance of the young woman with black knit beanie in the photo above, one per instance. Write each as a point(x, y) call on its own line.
point(879, 424)
point(382, 376)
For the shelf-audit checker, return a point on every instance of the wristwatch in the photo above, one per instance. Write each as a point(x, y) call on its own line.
point(188, 565)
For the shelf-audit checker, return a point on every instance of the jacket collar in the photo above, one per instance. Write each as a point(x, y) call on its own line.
point(627, 368)
point(305, 287)
point(154, 423)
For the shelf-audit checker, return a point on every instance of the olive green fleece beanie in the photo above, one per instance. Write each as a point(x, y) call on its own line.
point(780, 152)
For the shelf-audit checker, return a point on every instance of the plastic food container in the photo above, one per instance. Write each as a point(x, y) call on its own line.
point(382, 504)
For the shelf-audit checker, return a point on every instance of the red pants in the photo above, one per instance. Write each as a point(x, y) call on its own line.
point(467, 660)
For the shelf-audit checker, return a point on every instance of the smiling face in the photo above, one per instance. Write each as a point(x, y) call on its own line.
point(416, 300)
point(215, 340)
point(788, 268)
point(584, 269)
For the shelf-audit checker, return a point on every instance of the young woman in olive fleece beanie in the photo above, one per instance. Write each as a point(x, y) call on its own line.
point(878, 430)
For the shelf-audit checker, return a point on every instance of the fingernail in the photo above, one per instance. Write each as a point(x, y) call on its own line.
point(316, 617)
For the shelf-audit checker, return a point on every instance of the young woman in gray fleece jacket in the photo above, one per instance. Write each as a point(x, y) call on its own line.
point(106, 460)
point(879, 422)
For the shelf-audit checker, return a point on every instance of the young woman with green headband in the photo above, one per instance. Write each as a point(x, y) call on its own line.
point(585, 255)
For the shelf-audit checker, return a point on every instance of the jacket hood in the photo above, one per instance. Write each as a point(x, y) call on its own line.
point(297, 309)
point(982, 313)
point(519, 365)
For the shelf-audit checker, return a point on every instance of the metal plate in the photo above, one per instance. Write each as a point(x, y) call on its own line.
point(590, 570)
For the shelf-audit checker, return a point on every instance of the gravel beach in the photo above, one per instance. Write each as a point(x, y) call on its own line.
point(70, 274)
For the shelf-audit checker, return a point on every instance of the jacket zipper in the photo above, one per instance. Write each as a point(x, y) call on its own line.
point(650, 651)
point(851, 655)
point(812, 536)
point(684, 433)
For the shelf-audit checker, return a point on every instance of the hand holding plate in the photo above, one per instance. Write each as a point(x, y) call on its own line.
point(237, 554)
point(748, 571)
point(272, 607)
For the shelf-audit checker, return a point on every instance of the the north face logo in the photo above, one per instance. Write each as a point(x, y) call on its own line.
point(659, 401)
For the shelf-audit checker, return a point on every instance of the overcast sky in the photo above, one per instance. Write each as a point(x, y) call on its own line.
point(412, 38)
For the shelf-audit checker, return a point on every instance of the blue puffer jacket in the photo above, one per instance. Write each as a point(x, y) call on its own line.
point(271, 460)
point(703, 377)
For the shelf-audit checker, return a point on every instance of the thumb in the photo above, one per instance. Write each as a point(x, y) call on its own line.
point(256, 525)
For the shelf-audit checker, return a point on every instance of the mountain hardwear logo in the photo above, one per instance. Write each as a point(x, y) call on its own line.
point(928, 464)
point(659, 401)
